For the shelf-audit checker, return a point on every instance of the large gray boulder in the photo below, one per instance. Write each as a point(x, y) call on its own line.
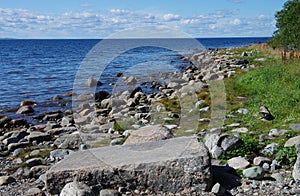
point(179, 165)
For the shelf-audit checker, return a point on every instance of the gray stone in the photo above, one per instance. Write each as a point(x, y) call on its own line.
point(276, 132)
point(35, 161)
point(230, 142)
point(292, 141)
point(59, 154)
point(17, 152)
point(270, 148)
point(296, 170)
point(256, 173)
point(238, 163)
point(5, 180)
point(116, 141)
point(38, 136)
point(34, 192)
point(295, 127)
point(109, 192)
point(242, 111)
point(76, 188)
point(71, 141)
point(180, 165)
point(240, 130)
point(278, 177)
point(261, 160)
point(148, 133)
point(13, 146)
point(218, 189)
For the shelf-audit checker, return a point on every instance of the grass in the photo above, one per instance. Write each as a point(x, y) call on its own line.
point(273, 84)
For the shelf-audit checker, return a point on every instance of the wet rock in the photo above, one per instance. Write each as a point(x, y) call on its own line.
point(256, 173)
point(148, 133)
point(25, 110)
point(76, 188)
point(53, 117)
point(5, 180)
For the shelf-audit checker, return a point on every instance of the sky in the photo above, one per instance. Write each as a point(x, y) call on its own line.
point(85, 19)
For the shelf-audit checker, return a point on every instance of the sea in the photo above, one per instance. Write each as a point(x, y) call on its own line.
point(41, 69)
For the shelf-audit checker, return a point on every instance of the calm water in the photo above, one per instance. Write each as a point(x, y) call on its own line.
point(41, 69)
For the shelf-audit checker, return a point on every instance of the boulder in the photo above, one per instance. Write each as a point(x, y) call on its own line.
point(38, 136)
point(28, 102)
point(4, 120)
point(179, 165)
point(148, 133)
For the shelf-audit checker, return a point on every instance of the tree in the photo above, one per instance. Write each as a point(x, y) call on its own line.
point(287, 34)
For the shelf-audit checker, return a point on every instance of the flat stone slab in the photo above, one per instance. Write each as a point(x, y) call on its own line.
point(178, 165)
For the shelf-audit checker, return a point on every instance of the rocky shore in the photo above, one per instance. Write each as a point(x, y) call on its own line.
point(84, 150)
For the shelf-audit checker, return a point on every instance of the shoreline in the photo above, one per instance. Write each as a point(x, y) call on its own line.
point(115, 119)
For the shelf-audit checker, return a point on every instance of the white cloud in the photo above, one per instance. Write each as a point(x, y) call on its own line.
point(235, 22)
point(171, 17)
point(90, 24)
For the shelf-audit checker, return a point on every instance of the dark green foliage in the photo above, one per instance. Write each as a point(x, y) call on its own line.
point(287, 34)
point(249, 149)
point(286, 155)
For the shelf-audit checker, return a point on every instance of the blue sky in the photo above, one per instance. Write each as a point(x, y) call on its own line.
point(101, 18)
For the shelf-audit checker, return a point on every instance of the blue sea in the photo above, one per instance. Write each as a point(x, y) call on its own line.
point(42, 69)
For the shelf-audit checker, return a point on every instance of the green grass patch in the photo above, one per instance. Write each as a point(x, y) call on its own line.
point(275, 85)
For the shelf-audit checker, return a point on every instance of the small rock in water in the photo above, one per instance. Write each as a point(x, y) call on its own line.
point(25, 110)
point(91, 82)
